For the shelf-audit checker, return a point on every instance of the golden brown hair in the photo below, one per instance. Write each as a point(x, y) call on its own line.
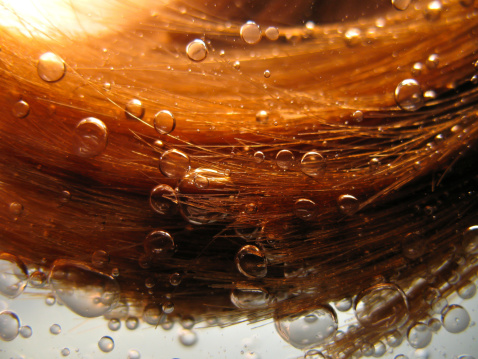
point(283, 168)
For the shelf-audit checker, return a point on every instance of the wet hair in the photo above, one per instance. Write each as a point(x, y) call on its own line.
point(244, 161)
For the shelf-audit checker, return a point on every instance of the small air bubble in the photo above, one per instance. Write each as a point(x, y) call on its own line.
point(175, 279)
point(259, 157)
point(65, 352)
point(106, 344)
point(408, 95)
point(90, 137)
point(134, 109)
point(164, 122)
point(55, 329)
point(188, 337)
point(313, 164)
point(16, 209)
point(114, 324)
point(174, 164)
point(433, 61)
point(196, 50)
point(26, 331)
point(272, 33)
point(51, 67)
point(417, 69)
point(21, 109)
point(262, 116)
point(251, 262)
point(100, 258)
point(433, 10)
point(132, 323)
point(401, 4)
point(251, 33)
point(352, 37)
point(163, 199)
point(285, 159)
point(348, 204)
point(305, 209)
point(9, 325)
point(267, 74)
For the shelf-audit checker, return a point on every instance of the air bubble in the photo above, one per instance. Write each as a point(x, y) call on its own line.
point(114, 324)
point(374, 164)
point(174, 164)
point(50, 300)
point(168, 307)
point(272, 33)
point(251, 262)
point(65, 352)
point(37, 279)
point(417, 69)
point(259, 157)
point(163, 200)
point(188, 337)
point(164, 122)
point(308, 329)
point(16, 209)
point(26, 331)
point(394, 338)
point(13, 275)
point(175, 279)
point(470, 240)
point(152, 314)
point(305, 209)
point(132, 323)
point(434, 324)
point(348, 204)
point(106, 344)
point(401, 4)
point(267, 74)
point(51, 67)
point(381, 306)
point(343, 305)
point(9, 325)
point(379, 349)
point(187, 322)
point(65, 196)
point(358, 116)
point(262, 116)
point(134, 109)
point(133, 354)
point(100, 258)
point(313, 164)
point(251, 33)
point(159, 244)
point(201, 181)
point(236, 65)
point(352, 37)
point(433, 61)
point(408, 95)
point(250, 297)
point(285, 159)
point(68, 279)
point(21, 109)
point(419, 335)
point(196, 50)
point(467, 290)
point(55, 329)
point(455, 319)
point(433, 10)
point(90, 137)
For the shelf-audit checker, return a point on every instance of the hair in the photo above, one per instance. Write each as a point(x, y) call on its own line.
point(331, 156)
